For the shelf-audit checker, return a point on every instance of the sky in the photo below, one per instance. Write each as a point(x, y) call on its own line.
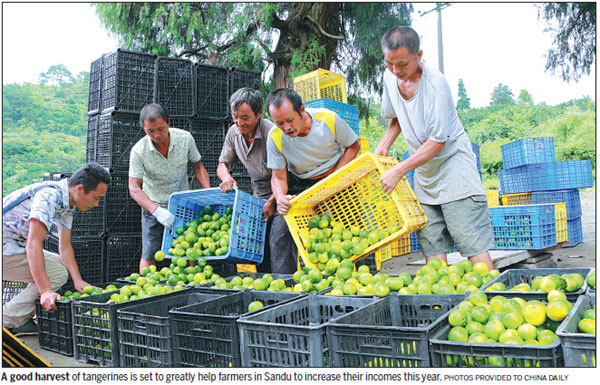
point(484, 44)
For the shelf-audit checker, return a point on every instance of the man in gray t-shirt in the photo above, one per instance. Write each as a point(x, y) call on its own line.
point(307, 145)
point(418, 102)
point(310, 143)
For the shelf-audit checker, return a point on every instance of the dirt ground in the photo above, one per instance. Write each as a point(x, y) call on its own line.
point(581, 255)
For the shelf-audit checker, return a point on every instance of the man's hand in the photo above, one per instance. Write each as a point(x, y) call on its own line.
point(283, 204)
point(80, 284)
point(386, 142)
point(268, 209)
point(48, 299)
point(391, 178)
point(227, 185)
point(164, 216)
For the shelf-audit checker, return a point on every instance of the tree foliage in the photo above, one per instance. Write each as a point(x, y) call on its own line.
point(44, 127)
point(525, 98)
point(464, 101)
point(502, 96)
point(573, 52)
point(292, 37)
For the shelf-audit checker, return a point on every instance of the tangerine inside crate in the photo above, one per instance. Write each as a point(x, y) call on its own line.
point(353, 196)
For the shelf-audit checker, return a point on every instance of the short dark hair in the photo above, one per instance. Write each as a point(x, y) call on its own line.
point(399, 37)
point(246, 95)
point(152, 112)
point(90, 176)
point(277, 97)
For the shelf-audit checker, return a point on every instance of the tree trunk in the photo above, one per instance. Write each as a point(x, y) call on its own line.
point(295, 37)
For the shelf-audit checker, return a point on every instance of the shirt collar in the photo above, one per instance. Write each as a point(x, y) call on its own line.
point(151, 147)
point(259, 127)
point(63, 184)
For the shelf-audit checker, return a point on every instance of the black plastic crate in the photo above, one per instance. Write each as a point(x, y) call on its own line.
point(92, 132)
point(206, 334)
point(213, 179)
point(243, 78)
point(116, 134)
point(55, 328)
point(95, 327)
point(209, 136)
point(392, 332)
point(512, 277)
point(128, 81)
point(145, 329)
point(579, 349)
point(212, 92)
point(89, 254)
point(123, 214)
point(181, 123)
point(123, 253)
point(95, 87)
point(244, 182)
point(10, 289)
point(294, 334)
point(174, 86)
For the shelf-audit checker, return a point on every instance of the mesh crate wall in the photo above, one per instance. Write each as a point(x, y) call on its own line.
point(212, 92)
point(243, 78)
point(174, 86)
point(127, 81)
point(89, 254)
point(111, 138)
point(123, 253)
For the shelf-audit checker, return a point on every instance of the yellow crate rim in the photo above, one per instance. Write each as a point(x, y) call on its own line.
point(353, 196)
point(492, 198)
point(516, 199)
point(560, 213)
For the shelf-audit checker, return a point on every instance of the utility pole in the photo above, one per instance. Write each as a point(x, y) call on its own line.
point(438, 8)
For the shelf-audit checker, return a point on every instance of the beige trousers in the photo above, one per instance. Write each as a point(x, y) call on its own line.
point(21, 308)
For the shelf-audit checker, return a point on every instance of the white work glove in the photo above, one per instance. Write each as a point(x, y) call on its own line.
point(164, 216)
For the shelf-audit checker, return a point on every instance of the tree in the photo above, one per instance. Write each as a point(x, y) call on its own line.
point(464, 102)
point(525, 98)
point(305, 36)
point(573, 51)
point(57, 75)
point(502, 96)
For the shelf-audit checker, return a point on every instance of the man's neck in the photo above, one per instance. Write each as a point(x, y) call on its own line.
point(307, 121)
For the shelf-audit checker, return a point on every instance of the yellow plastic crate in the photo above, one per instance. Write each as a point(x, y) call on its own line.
point(320, 84)
point(516, 199)
point(492, 198)
point(353, 196)
point(383, 254)
point(401, 246)
point(245, 268)
point(364, 145)
point(560, 213)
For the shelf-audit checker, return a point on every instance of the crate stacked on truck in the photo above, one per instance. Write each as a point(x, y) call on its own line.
point(531, 176)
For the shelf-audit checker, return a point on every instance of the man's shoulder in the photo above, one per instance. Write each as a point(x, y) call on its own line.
point(267, 124)
point(140, 145)
point(179, 133)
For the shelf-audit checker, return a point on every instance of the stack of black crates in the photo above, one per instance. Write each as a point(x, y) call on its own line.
point(108, 237)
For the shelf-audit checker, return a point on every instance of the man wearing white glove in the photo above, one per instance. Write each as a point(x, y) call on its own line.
point(158, 168)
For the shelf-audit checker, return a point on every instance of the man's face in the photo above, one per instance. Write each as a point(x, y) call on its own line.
point(287, 119)
point(90, 200)
point(245, 118)
point(402, 63)
point(158, 130)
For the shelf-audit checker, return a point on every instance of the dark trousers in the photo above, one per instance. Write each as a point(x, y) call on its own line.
point(284, 253)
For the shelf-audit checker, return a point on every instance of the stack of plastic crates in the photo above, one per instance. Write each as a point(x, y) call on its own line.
point(325, 89)
point(531, 175)
point(528, 227)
